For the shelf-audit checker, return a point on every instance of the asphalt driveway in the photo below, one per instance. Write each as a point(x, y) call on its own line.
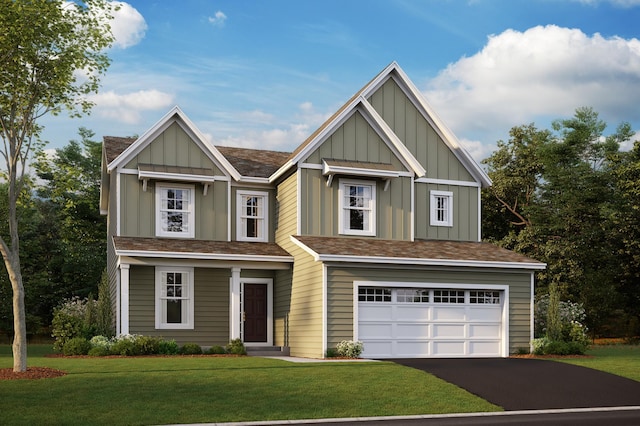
point(532, 384)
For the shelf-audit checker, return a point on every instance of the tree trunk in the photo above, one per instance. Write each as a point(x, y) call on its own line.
point(19, 318)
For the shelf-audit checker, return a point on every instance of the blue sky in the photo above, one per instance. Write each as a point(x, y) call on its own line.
point(268, 73)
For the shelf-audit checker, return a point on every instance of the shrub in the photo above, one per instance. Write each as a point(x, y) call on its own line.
point(99, 351)
point(191, 349)
point(216, 350)
point(72, 319)
point(236, 347)
point(148, 345)
point(545, 346)
point(350, 349)
point(168, 347)
point(125, 345)
point(331, 353)
point(101, 342)
point(76, 346)
point(104, 314)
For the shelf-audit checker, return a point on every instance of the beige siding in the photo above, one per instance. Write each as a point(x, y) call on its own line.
point(414, 130)
point(174, 148)
point(341, 299)
point(320, 206)
point(211, 314)
point(355, 140)
point(139, 209)
point(298, 294)
point(465, 213)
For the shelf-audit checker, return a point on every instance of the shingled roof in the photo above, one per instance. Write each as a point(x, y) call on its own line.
point(225, 250)
point(414, 252)
point(114, 146)
point(254, 162)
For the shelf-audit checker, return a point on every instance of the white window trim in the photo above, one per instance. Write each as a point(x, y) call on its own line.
point(264, 229)
point(433, 204)
point(191, 209)
point(342, 223)
point(189, 324)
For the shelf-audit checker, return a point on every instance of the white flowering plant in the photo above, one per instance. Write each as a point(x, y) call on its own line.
point(349, 348)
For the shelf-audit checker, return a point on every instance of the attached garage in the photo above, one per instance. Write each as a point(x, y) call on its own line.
point(411, 320)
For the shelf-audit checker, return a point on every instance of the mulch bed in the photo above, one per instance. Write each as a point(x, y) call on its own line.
point(32, 373)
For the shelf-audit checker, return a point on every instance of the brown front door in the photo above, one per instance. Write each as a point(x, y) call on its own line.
point(255, 312)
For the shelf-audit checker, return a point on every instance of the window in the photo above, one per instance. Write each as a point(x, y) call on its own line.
point(448, 296)
point(441, 208)
point(252, 211)
point(174, 211)
point(374, 294)
point(412, 295)
point(357, 207)
point(485, 296)
point(174, 298)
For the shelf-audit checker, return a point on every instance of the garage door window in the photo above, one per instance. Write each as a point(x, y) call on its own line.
point(412, 296)
point(487, 297)
point(374, 294)
point(448, 296)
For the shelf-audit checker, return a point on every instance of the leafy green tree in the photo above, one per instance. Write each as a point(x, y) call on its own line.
point(44, 44)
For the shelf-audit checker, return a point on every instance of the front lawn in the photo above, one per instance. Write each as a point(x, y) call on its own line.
point(623, 360)
point(159, 390)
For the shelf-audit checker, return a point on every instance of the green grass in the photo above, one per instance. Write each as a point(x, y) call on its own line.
point(218, 389)
point(623, 360)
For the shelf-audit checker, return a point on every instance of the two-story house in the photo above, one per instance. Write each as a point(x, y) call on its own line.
point(369, 230)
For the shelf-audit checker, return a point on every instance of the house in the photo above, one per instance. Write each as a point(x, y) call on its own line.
point(369, 230)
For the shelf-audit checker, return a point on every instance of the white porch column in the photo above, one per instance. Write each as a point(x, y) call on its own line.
point(124, 298)
point(234, 309)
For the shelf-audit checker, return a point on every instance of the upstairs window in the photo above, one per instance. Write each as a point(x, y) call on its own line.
point(441, 208)
point(174, 211)
point(252, 210)
point(357, 207)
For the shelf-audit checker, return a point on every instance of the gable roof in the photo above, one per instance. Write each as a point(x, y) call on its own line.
point(418, 252)
point(360, 101)
point(175, 115)
point(113, 146)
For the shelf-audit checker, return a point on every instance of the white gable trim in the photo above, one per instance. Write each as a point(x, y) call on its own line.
point(405, 83)
point(175, 115)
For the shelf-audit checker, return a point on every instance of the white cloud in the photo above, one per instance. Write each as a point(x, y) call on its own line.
point(519, 77)
point(618, 3)
point(218, 19)
point(128, 26)
point(128, 107)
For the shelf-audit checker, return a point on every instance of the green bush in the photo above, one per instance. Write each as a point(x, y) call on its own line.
point(99, 351)
point(73, 318)
point(168, 347)
point(236, 347)
point(76, 346)
point(331, 353)
point(148, 345)
point(216, 350)
point(125, 346)
point(191, 349)
point(545, 346)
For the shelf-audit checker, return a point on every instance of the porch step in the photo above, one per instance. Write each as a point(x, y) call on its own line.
point(267, 351)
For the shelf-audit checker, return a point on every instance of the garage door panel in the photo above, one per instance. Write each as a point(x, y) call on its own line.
point(448, 330)
point(485, 330)
point(373, 349)
point(411, 349)
point(412, 313)
point(448, 348)
point(413, 331)
point(485, 314)
point(376, 331)
point(488, 348)
point(376, 312)
point(441, 313)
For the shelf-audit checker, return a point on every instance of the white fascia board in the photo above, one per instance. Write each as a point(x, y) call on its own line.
point(203, 256)
point(405, 155)
point(428, 262)
point(441, 128)
point(357, 171)
point(175, 176)
point(251, 179)
point(304, 247)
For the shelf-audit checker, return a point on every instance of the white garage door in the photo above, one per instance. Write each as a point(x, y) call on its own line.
point(412, 322)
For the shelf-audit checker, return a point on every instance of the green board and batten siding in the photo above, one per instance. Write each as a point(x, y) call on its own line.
point(340, 295)
point(211, 298)
point(465, 213)
point(424, 143)
point(173, 148)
